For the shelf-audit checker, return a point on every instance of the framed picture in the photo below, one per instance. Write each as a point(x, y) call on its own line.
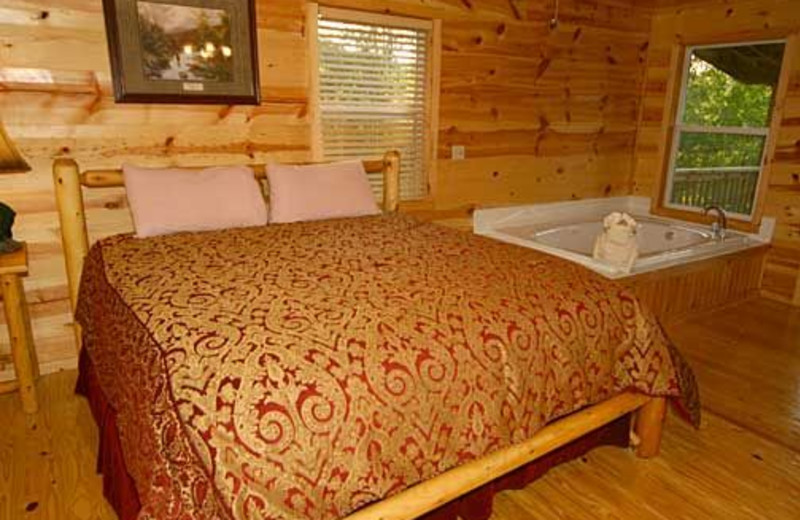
point(183, 51)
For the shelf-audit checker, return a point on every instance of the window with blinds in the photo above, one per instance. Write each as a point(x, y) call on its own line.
point(372, 94)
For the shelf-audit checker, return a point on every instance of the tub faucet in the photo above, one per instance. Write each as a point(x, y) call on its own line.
point(718, 227)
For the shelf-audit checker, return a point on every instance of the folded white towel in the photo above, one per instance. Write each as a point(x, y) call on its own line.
point(617, 245)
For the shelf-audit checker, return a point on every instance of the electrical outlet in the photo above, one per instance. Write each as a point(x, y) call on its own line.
point(457, 152)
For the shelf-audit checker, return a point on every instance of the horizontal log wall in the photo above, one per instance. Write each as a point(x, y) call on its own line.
point(544, 114)
point(715, 21)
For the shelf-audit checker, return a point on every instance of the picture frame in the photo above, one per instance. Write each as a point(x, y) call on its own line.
point(183, 51)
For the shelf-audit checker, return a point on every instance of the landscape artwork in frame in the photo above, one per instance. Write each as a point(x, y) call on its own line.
point(183, 51)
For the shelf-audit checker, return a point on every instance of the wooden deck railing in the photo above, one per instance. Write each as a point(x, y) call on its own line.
point(731, 188)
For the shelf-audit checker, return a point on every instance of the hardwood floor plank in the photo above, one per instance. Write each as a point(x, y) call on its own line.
point(747, 362)
point(720, 471)
point(47, 460)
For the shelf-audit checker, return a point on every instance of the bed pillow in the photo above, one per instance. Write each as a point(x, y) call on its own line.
point(319, 191)
point(169, 200)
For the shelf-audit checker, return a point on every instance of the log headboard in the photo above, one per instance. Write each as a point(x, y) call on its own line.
point(69, 181)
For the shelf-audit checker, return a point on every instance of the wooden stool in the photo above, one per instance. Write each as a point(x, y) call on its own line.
point(13, 266)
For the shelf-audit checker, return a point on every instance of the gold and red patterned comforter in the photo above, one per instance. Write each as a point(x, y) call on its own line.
point(305, 370)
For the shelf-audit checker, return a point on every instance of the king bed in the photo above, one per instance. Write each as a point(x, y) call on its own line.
point(368, 367)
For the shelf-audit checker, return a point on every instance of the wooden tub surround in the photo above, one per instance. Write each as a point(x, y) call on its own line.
point(648, 412)
point(678, 292)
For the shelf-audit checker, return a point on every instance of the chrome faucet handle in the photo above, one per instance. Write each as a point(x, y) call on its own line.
point(719, 226)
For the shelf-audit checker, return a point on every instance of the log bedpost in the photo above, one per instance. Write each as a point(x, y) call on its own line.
point(75, 240)
point(391, 181)
point(648, 424)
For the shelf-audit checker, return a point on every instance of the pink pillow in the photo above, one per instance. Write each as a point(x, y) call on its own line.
point(319, 191)
point(169, 200)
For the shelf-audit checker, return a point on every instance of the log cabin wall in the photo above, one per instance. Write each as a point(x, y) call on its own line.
point(544, 114)
point(716, 21)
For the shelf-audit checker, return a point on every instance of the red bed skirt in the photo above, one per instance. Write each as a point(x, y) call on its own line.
point(120, 490)
point(118, 486)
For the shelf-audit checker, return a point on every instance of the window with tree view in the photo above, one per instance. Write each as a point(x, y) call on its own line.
point(722, 126)
point(373, 82)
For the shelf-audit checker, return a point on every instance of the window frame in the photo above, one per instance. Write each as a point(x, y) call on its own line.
point(672, 128)
point(432, 83)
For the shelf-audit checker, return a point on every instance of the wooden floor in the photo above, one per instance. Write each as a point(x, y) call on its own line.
point(743, 463)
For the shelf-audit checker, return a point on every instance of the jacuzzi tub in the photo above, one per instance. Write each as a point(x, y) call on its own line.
point(569, 229)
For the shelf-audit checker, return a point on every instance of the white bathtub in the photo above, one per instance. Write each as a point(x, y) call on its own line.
point(569, 229)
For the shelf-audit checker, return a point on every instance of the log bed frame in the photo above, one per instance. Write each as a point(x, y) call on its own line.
point(428, 495)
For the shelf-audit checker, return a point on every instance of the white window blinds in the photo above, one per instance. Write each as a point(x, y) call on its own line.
point(372, 96)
